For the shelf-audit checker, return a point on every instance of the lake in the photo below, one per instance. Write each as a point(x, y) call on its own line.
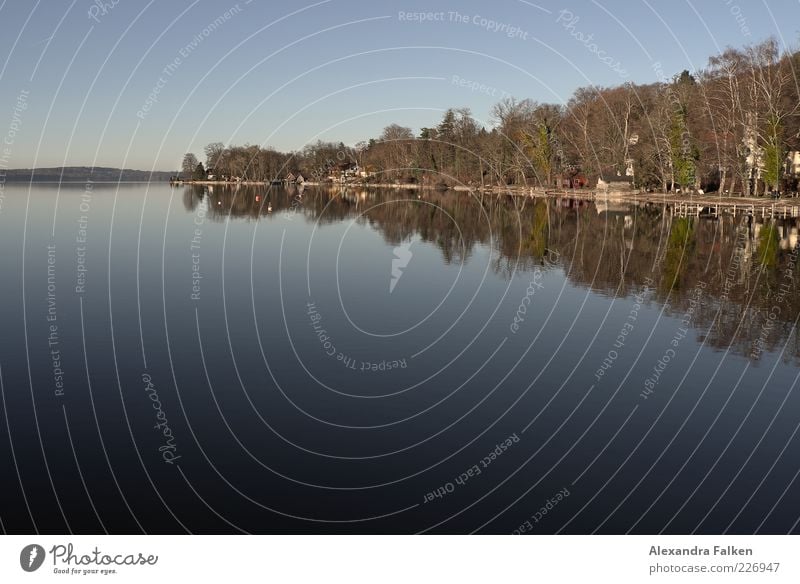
point(348, 360)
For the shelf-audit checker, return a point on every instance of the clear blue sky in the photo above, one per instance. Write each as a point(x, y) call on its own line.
point(286, 74)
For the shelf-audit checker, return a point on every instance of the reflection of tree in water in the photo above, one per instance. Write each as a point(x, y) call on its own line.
point(427, 218)
point(191, 198)
point(680, 247)
point(540, 230)
point(768, 241)
point(746, 266)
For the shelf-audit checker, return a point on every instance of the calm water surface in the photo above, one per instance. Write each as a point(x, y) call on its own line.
point(268, 360)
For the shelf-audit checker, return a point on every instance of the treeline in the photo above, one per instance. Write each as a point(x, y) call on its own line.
point(729, 127)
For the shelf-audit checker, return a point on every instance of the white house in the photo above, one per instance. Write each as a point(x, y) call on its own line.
point(793, 163)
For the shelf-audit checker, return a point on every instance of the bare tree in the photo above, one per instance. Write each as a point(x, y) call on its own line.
point(189, 165)
point(214, 153)
point(771, 74)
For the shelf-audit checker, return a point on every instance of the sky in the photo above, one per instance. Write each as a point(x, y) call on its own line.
point(137, 83)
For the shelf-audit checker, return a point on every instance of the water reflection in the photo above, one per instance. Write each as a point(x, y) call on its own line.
point(745, 262)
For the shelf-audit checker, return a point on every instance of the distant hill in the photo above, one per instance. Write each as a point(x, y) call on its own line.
point(84, 174)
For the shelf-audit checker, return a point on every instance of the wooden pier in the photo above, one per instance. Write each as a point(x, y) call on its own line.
point(694, 205)
point(765, 209)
